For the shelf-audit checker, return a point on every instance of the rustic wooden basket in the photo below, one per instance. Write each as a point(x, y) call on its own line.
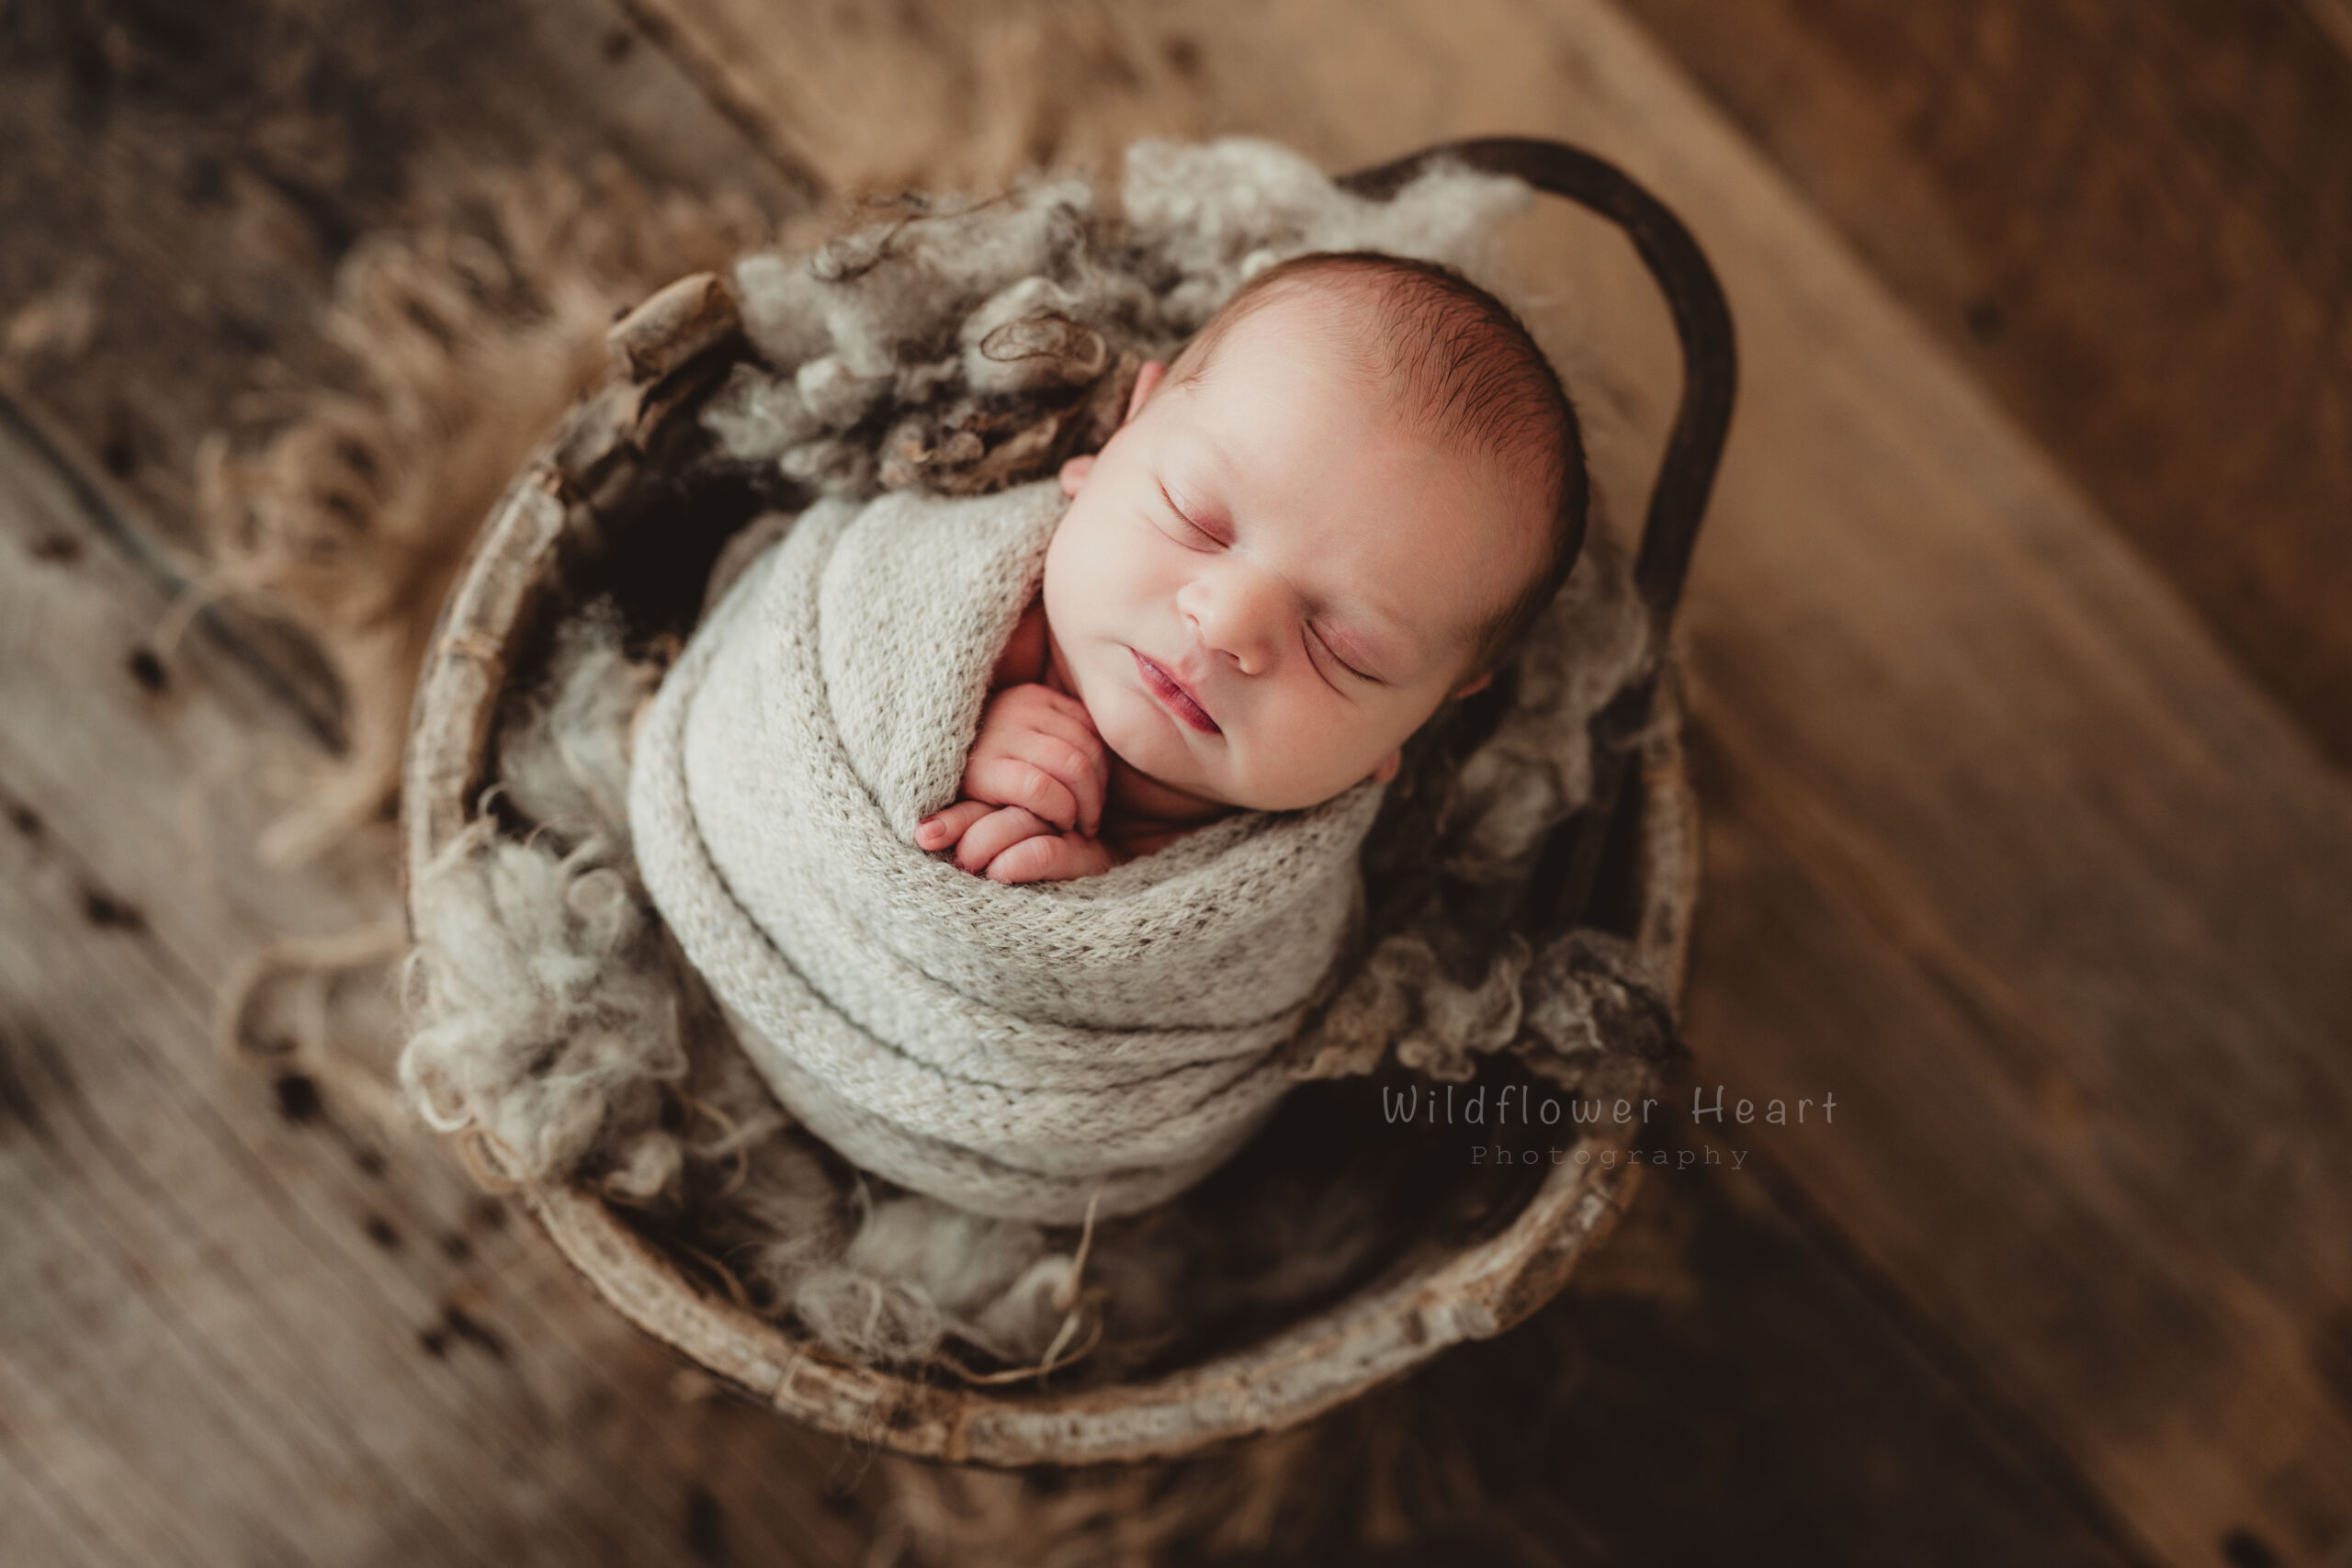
point(601, 488)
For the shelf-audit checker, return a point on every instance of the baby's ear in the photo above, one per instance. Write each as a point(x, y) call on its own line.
point(1146, 379)
point(1479, 684)
point(1388, 766)
point(1074, 474)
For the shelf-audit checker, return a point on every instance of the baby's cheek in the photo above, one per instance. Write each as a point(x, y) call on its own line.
point(1303, 758)
point(1099, 565)
point(1072, 601)
point(1129, 729)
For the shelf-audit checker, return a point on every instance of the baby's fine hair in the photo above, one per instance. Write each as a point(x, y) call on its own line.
point(1468, 368)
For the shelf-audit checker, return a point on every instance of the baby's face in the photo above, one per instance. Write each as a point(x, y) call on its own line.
point(1266, 582)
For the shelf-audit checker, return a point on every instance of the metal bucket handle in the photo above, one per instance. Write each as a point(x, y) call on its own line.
point(1562, 888)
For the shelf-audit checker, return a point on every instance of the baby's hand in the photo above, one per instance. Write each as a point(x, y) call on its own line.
point(1012, 844)
point(1033, 792)
point(1037, 749)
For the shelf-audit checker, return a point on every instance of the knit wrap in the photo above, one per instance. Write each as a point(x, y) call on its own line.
point(1017, 1050)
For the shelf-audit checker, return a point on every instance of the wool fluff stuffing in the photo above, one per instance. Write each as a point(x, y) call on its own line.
point(966, 344)
point(542, 1015)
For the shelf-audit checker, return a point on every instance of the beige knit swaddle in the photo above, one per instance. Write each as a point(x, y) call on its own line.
point(1015, 1050)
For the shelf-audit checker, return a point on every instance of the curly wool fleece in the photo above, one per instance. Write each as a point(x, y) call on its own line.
point(963, 347)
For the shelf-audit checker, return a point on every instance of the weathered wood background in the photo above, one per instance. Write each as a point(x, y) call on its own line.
point(2018, 654)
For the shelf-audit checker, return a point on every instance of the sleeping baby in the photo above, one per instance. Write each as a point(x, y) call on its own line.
point(1338, 509)
point(1165, 694)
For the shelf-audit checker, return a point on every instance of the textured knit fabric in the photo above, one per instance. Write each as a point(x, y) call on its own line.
point(1015, 1050)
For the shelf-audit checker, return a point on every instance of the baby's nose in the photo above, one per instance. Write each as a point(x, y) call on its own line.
point(1237, 613)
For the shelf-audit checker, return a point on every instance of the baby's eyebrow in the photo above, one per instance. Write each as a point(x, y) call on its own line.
point(1200, 449)
point(1207, 441)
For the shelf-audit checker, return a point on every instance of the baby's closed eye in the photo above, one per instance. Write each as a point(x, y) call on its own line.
point(1190, 523)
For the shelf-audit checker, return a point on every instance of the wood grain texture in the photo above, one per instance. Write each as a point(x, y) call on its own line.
point(240, 1319)
point(2021, 868)
point(1716, 1387)
point(2134, 222)
point(243, 1323)
point(2003, 853)
point(179, 183)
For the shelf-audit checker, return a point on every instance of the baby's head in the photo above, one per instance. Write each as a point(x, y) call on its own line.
point(1341, 507)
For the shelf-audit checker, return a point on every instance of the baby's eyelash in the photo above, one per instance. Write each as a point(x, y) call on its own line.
point(1185, 518)
point(1310, 633)
point(1184, 536)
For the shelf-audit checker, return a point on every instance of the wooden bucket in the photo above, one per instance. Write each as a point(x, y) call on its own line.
point(601, 501)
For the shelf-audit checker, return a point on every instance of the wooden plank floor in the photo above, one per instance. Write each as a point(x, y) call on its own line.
point(2134, 222)
point(182, 182)
point(243, 1318)
point(2004, 853)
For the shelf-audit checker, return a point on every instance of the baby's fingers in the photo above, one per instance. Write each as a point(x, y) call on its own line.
point(1041, 708)
point(1005, 779)
point(1056, 857)
point(985, 840)
point(944, 828)
point(1077, 769)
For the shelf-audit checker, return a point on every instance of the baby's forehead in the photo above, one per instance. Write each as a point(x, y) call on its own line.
point(1325, 316)
point(1329, 326)
point(1441, 375)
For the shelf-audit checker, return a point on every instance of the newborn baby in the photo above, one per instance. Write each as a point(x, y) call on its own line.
point(1338, 509)
point(1335, 511)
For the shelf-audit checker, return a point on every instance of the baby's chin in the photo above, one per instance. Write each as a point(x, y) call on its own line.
point(1150, 750)
point(1146, 740)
